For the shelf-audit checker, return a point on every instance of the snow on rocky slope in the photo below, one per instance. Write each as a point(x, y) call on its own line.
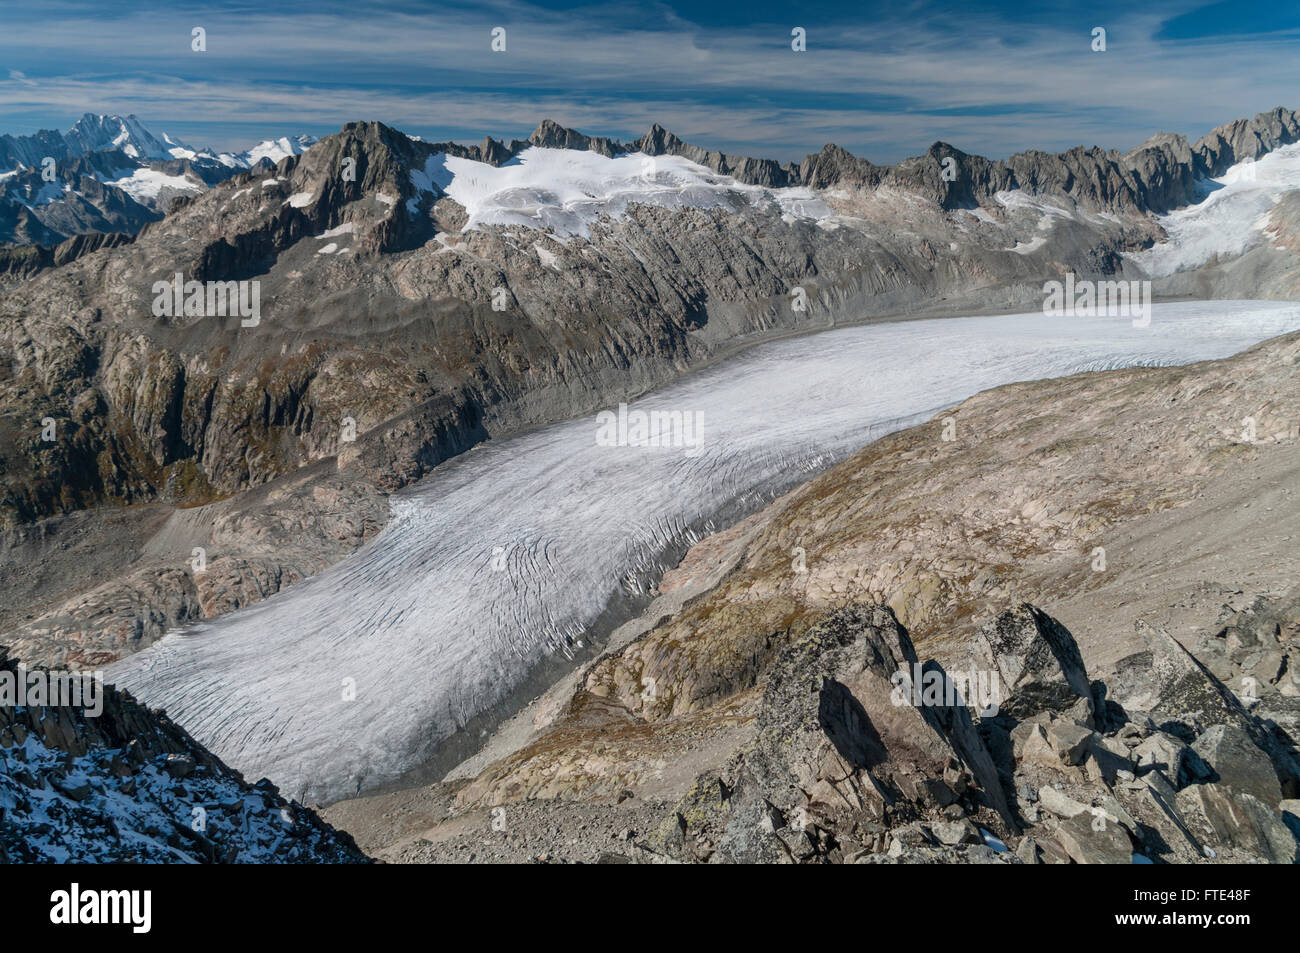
point(141, 173)
point(1231, 217)
point(565, 191)
point(111, 782)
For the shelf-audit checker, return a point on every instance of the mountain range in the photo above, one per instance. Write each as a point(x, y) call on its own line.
point(108, 174)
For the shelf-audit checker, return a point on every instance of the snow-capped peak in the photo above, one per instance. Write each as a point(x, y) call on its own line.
point(277, 149)
point(93, 133)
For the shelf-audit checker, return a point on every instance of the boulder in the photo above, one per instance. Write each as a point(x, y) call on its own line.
point(1094, 839)
point(1060, 804)
point(1222, 817)
point(1070, 741)
point(1175, 760)
point(956, 832)
point(1037, 661)
point(1239, 762)
point(1290, 811)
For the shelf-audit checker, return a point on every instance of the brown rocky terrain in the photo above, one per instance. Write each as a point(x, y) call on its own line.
point(1158, 715)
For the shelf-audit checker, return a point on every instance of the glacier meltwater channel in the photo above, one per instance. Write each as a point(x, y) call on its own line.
point(502, 556)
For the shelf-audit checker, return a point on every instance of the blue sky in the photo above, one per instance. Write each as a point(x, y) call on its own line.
point(884, 80)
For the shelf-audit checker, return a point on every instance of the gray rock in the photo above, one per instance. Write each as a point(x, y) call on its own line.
point(179, 765)
point(1239, 762)
point(1037, 661)
point(1290, 811)
point(1222, 817)
point(1090, 839)
point(956, 832)
point(1060, 804)
point(1070, 741)
point(1027, 850)
point(1177, 761)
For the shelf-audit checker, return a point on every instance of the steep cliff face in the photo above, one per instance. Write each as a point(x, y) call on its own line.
point(104, 780)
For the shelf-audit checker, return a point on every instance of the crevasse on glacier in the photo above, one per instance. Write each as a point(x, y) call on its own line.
point(505, 555)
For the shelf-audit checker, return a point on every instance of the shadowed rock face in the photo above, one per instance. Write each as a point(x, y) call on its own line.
point(1036, 659)
point(843, 767)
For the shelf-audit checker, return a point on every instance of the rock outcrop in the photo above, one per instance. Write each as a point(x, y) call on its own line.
point(113, 782)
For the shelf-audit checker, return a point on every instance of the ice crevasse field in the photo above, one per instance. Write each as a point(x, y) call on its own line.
point(503, 557)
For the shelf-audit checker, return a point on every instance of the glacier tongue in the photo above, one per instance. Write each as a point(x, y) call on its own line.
point(503, 555)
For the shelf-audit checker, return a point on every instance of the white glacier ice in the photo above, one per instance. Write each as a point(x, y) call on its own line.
point(431, 633)
point(1230, 217)
point(145, 184)
point(564, 191)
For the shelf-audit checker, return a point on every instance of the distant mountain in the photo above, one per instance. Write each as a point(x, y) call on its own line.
point(110, 174)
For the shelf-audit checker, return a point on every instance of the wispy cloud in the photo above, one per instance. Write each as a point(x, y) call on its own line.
point(883, 83)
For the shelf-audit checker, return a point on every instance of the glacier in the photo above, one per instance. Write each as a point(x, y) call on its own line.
point(565, 191)
point(1231, 217)
point(500, 561)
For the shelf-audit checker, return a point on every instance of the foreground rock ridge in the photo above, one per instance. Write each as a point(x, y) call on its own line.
point(394, 336)
point(127, 785)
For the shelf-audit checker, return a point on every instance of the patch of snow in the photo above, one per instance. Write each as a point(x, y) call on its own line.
point(565, 191)
point(147, 184)
point(1229, 218)
point(1017, 199)
point(1024, 248)
point(386, 198)
point(47, 193)
point(345, 229)
point(277, 149)
point(301, 199)
point(328, 249)
point(547, 257)
point(998, 846)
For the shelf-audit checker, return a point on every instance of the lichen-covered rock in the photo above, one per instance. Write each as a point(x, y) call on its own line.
point(1037, 661)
